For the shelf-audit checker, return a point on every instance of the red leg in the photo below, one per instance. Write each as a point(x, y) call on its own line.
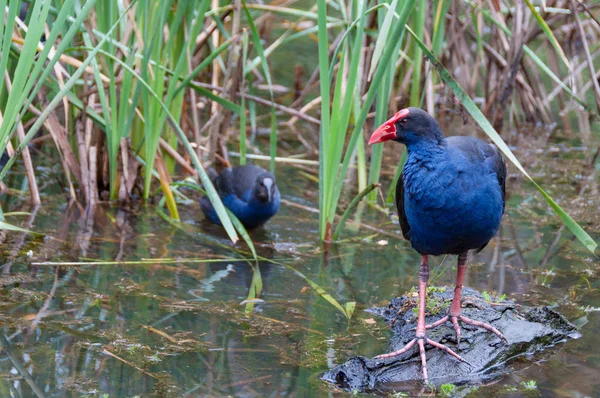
point(454, 313)
point(420, 337)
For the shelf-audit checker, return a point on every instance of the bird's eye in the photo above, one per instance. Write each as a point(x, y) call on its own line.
point(403, 122)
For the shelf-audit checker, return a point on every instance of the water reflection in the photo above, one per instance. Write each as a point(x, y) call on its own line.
point(150, 307)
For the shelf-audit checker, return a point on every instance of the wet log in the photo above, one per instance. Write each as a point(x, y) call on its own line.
point(528, 330)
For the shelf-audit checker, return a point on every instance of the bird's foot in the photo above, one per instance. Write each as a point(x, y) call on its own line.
point(466, 320)
point(421, 341)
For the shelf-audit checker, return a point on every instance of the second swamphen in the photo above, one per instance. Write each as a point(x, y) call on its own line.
point(450, 199)
point(247, 191)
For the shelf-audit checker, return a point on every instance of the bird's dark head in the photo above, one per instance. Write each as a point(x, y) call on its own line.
point(409, 126)
point(264, 187)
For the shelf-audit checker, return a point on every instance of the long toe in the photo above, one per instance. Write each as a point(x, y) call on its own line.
point(446, 350)
point(483, 325)
point(398, 352)
point(455, 323)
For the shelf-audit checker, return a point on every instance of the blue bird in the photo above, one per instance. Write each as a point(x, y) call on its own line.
point(247, 191)
point(450, 199)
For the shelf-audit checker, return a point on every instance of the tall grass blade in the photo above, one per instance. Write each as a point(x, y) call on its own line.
point(243, 101)
point(438, 26)
point(382, 36)
point(256, 286)
point(242, 231)
point(415, 87)
point(4, 226)
point(263, 60)
point(381, 111)
point(548, 32)
point(324, 79)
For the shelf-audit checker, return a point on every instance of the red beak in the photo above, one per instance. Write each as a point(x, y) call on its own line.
point(387, 131)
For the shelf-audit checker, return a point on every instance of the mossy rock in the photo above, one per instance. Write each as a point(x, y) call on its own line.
point(528, 330)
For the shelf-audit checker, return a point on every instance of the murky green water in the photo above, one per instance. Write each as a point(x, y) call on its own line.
point(178, 325)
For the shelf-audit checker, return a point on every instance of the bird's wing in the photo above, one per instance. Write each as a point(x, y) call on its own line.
point(400, 206)
point(497, 164)
point(225, 183)
point(481, 152)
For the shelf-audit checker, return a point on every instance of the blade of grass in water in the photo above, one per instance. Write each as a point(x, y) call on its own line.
point(256, 286)
point(242, 231)
point(486, 126)
point(322, 292)
point(237, 224)
point(351, 207)
point(9, 227)
point(324, 78)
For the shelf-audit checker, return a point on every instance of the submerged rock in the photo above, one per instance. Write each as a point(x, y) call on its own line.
point(528, 330)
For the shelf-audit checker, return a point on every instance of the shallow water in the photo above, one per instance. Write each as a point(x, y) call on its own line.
point(177, 325)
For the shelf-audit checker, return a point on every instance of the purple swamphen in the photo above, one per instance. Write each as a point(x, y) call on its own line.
point(450, 199)
point(247, 191)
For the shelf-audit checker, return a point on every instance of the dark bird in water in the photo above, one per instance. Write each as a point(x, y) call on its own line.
point(450, 199)
point(247, 191)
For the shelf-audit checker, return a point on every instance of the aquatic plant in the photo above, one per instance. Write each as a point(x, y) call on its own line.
point(182, 84)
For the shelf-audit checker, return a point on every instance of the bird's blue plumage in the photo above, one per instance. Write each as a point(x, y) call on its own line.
point(249, 192)
point(451, 195)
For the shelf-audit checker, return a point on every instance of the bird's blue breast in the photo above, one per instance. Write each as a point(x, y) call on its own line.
point(452, 205)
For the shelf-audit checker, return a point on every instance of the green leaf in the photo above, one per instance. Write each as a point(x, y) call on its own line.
point(349, 307)
point(242, 231)
point(382, 37)
point(487, 127)
point(9, 227)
